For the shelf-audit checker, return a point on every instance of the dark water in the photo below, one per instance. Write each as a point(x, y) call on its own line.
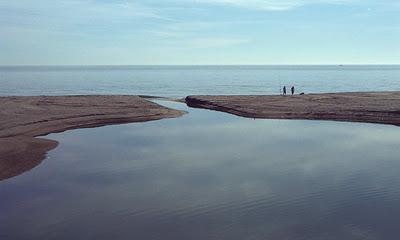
point(180, 81)
point(210, 175)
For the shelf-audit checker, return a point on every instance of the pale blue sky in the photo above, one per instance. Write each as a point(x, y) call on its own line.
point(74, 32)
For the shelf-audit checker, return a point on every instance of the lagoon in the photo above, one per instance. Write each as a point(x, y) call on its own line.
point(210, 175)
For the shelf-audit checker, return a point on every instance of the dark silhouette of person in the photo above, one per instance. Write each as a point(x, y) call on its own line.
point(284, 90)
point(292, 89)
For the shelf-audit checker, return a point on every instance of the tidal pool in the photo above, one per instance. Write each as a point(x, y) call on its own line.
point(210, 175)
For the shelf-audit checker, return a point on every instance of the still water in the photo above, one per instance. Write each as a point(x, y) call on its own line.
point(180, 81)
point(210, 175)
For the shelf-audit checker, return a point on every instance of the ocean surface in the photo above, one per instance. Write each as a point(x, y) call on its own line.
point(180, 81)
point(208, 175)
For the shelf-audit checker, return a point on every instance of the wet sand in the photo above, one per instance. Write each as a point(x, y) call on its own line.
point(370, 107)
point(24, 118)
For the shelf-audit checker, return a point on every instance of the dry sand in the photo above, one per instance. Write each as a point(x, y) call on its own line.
point(24, 118)
point(371, 107)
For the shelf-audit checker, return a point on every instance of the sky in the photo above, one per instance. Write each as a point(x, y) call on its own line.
point(199, 32)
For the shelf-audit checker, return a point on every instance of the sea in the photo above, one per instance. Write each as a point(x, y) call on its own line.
point(207, 174)
point(180, 81)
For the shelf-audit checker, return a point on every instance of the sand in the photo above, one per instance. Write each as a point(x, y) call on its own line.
point(24, 118)
point(370, 107)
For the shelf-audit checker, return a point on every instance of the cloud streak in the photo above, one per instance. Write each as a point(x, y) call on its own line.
point(61, 13)
point(218, 42)
point(272, 5)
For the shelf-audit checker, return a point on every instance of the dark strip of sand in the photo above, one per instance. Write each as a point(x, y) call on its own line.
point(24, 118)
point(370, 107)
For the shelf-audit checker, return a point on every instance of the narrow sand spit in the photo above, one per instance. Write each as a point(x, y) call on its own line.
point(24, 118)
point(371, 107)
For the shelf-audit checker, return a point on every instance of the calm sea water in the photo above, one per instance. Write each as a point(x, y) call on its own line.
point(210, 175)
point(180, 81)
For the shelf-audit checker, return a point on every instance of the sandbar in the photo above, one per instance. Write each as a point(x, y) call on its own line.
point(22, 119)
point(368, 107)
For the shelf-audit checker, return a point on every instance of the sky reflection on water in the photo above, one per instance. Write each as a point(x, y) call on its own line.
point(210, 175)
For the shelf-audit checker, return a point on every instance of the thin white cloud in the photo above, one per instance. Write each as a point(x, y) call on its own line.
point(198, 42)
point(272, 5)
point(217, 42)
point(191, 34)
point(64, 12)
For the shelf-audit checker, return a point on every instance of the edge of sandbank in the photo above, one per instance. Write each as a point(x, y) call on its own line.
point(361, 107)
point(21, 150)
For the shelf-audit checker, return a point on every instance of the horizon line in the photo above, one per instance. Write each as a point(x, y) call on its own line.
point(193, 65)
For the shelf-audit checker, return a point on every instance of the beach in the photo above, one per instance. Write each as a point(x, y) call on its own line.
point(369, 107)
point(208, 168)
point(24, 118)
point(200, 120)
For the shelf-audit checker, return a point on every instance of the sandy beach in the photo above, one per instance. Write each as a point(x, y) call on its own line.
point(370, 107)
point(24, 118)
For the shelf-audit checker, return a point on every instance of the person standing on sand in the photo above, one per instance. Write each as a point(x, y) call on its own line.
point(292, 89)
point(284, 90)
